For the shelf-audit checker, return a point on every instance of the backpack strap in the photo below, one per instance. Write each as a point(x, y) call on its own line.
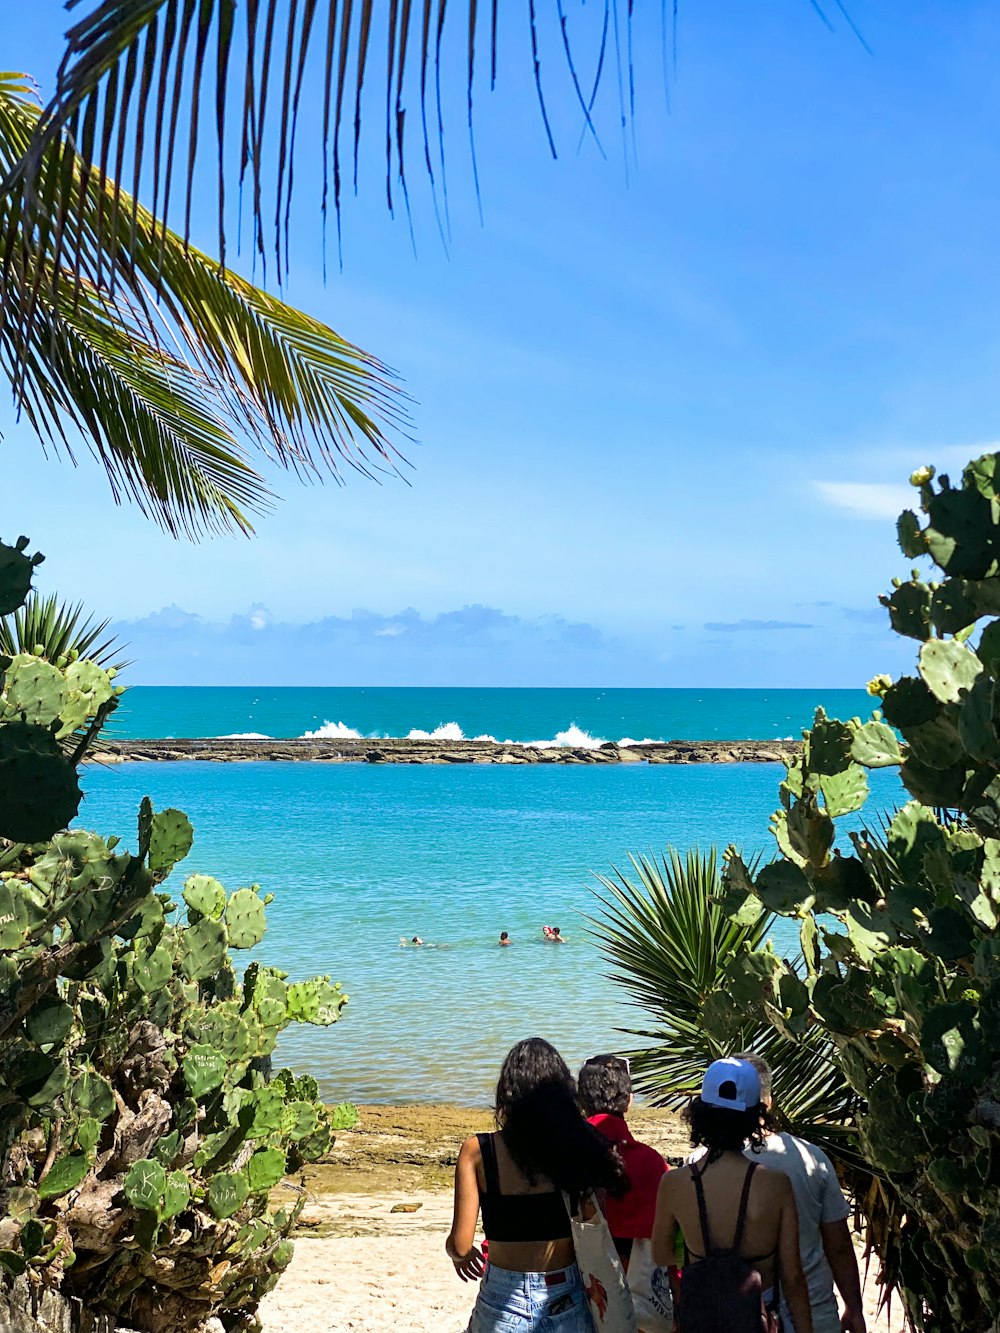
point(706, 1237)
point(744, 1200)
point(490, 1168)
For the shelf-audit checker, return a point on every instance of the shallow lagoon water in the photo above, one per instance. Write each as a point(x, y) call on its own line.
point(359, 855)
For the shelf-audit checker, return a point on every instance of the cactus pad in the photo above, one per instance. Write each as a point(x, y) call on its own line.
point(204, 896)
point(170, 840)
point(16, 570)
point(227, 1193)
point(144, 1185)
point(39, 790)
point(204, 1070)
point(245, 921)
point(34, 691)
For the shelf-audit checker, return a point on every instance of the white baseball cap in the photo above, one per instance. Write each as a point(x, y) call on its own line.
point(731, 1084)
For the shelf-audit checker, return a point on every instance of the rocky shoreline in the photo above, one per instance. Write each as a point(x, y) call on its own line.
point(403, 751)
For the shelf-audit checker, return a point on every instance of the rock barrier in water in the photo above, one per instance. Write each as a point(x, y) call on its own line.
point(405, 751)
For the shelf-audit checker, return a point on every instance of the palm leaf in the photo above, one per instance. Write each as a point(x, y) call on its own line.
point(157, 65)
point(675, 950)
point(54, 630)
point(170, 365)
point(51, 628)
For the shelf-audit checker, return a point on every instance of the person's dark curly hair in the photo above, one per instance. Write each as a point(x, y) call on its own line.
point(604, 1086)
point(721, 1130)
point(543, 1128)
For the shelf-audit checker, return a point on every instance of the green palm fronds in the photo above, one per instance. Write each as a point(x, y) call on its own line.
point(171, 366)
point(55, 631)
point(139, 74)
point(52, 629)
point(671, 946)
point(675, 951)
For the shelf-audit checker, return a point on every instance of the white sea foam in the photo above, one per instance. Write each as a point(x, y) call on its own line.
point(447, 731)
point(332, 731)
point(573, 737)
point(246, 736)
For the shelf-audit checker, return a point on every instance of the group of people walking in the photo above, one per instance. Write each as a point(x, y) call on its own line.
point(751, 1235)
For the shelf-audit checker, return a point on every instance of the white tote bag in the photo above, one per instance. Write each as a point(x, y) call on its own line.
point(650, 1288)
point(603, 1277)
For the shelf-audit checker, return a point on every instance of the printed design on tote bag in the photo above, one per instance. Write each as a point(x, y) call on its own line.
point(597, 1293)
point(663, 1300)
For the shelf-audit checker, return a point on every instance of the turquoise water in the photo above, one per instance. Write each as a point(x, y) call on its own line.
point(359, 855)
point(521, 715)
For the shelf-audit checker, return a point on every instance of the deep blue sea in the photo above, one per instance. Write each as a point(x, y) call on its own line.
point(359, 856)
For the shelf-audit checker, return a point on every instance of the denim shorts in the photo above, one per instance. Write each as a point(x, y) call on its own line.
point(511, 1302)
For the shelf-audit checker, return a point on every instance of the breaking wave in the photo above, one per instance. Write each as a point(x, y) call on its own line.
point(573, 738)
point(246, 736)
point(333, 731)
point(447, 731)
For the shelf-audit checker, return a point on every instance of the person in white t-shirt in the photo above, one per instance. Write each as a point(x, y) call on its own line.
point(828, 1255)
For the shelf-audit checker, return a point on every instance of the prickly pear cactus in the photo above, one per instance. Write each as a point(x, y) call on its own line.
point(141, 1130)
point(900, 930)
point(16, 571)
point(49, 714)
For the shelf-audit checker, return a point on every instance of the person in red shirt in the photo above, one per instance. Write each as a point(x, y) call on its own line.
point(604, 1091)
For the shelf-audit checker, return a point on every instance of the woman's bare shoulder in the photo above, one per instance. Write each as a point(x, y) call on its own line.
point(774, 1182)
point(470, 1149)
point(675, 1180)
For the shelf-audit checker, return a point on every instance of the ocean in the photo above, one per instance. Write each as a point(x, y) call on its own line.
point(361, 856)
point(570, 717)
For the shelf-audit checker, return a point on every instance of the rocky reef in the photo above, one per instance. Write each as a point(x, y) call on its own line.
point(403, 751)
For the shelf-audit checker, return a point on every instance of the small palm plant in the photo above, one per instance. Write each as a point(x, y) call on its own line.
point(57, 632)
point(679, 955)
point(683, 960)
point(51, 629)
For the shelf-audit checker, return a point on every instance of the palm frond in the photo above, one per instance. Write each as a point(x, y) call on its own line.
point(675, 951)
point(55, 630)
point(166, 361)
point(672, 948)
point(51, 628)
point(139, 76)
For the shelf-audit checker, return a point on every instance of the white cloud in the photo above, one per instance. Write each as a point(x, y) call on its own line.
point(868, 499)
point(390, 632)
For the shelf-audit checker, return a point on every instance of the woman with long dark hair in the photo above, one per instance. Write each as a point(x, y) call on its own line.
point(543, 1146)
point(738, 1219)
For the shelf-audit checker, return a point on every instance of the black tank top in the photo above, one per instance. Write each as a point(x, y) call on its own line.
point(516, 1217)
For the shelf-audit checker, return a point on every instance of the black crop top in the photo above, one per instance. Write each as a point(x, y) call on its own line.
point(516, 1217)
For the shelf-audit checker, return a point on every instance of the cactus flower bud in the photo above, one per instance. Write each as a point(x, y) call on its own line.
point(878, 685)
point(922, 476)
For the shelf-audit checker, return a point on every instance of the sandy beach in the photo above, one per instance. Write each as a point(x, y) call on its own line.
point(369, 1251)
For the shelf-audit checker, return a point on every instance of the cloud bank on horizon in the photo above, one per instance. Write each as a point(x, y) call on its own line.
point(483, 646)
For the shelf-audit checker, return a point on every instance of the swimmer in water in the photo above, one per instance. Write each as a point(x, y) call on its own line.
point(504, 939)
point(556, 938)
point(405, 944)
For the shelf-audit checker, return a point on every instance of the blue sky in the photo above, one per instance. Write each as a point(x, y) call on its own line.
point(671, 417)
